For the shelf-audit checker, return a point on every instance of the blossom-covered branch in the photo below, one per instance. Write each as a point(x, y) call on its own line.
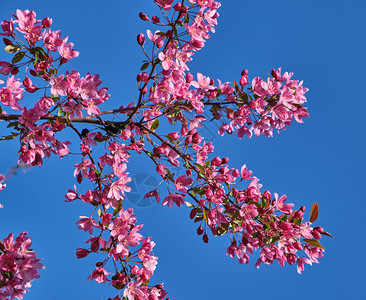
point(222, 200)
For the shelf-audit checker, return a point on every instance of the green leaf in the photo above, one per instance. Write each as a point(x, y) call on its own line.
point(144, 66)
point(200, 167)
point(12, 136)
point(155, 125)
point(170, 139)
point(13, 124)
point(12, 49)
point(59, 112)
point(18, 57)
point(313, 242)
point(297, 221)
point(284, 218)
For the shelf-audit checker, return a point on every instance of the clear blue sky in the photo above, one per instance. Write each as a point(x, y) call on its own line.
point(322, 160)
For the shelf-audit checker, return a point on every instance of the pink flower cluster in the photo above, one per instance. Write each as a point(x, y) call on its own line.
point(221, 204)
point(19, 265)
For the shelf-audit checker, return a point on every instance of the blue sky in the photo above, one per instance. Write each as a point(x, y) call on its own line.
point(322, 160)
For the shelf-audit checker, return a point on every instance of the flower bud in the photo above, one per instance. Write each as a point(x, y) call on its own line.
point(302, 208)
point(189, 77)
point(177, 7)
point(216, 161)
point(235, 173)
point(205, 238)
point(316, 234)
point(99, 264)
point(144, 91)
point(225, 160)
point(299, 214)
point(155, 19)
point(318, 228)
point(7, 27)
point(297, 246)
point(199, 230)
point(243, 80)
point(174, 135)
point(81, 253)
point(143, 16)
point(141, 39)
point(47, 22)
point(267, 195)
point(244, 72)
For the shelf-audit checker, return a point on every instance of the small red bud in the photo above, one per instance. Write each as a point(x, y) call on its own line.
point(155, 19)
point(299, 214)
point(243, 80)
point(199, 230)
point(47, 22)
point(225, 160)
point(205, 238)
point(143, 16)
point(302, 208)
point(189, 77)
point(318, 228)
point(316, 234)
point(141, 39)
point(216, 161)
point(177, 7)
point(244, 72)
point(235, 173)
point(267, 195)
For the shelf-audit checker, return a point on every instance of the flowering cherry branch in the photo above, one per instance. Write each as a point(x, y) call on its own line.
point(167, 92)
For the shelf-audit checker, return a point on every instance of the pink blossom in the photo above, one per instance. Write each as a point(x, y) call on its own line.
point(132, 291)
point(84, 167)
point(52, 39)
point(178, 199)
point(182, 182)
point(119, 187)
point(279, 203)
point(66, 50)
point(202, 82)
point(7, 27)
point(155, 38)
point(153, 193)
point(164, 4)
point(300, 264)
point(99, 275)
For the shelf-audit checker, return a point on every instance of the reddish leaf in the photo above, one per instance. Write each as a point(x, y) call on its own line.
point(314, 212)
point(327, 234)
point(314, 242)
